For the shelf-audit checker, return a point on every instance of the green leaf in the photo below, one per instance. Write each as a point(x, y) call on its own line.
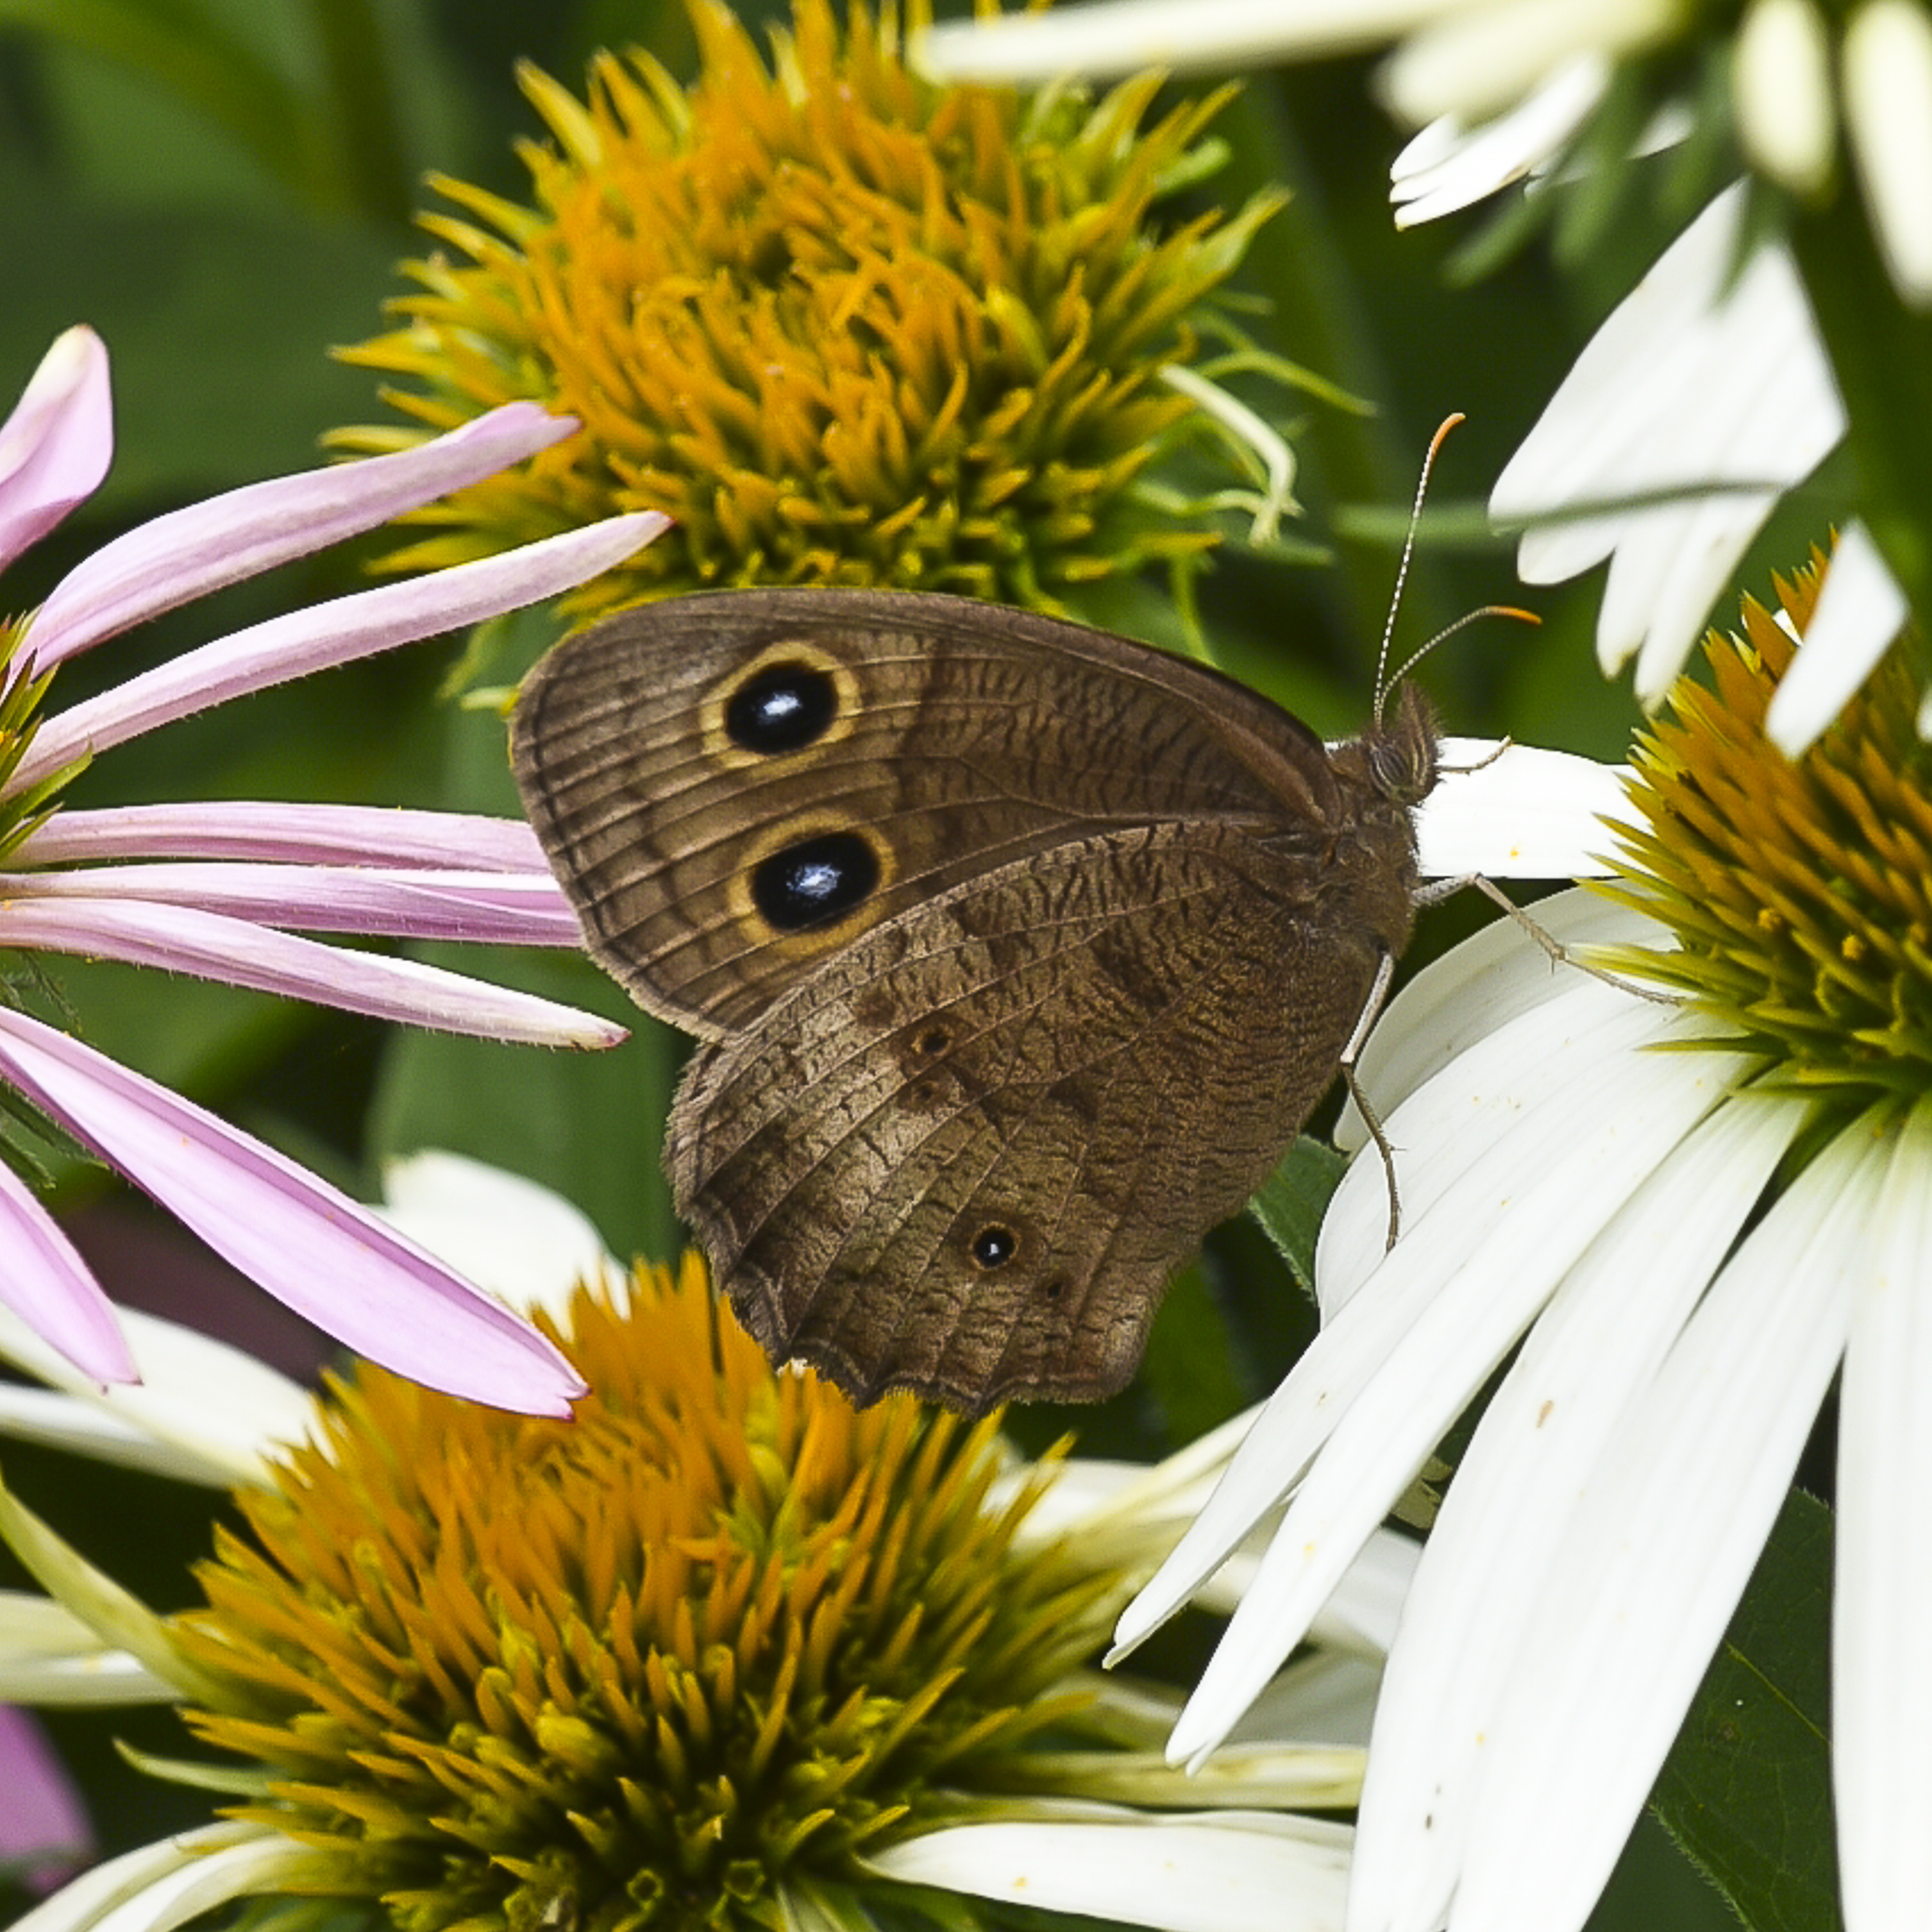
point(1189, 1367)
point(1292, 1200)
point(589, 1125)
point(1747, 1791)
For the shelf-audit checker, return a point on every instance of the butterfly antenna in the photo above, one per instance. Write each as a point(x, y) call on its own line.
point(1383, 681)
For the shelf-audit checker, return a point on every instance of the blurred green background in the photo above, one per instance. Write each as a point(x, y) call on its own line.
point(222, 189)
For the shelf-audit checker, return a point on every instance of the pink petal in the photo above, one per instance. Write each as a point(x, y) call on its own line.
point(483, 908)
point(47, 1285)
point(56, 445)
point(340, 632)
point(305, 835)
point(308, 1244)
point(44, 1831)
point(191, 551)
point(234, 953)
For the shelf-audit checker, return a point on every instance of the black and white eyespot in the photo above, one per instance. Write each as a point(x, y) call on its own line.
point(817, 881)
point(784, 704)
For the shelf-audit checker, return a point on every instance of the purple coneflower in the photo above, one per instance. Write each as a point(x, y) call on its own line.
point(224, 891)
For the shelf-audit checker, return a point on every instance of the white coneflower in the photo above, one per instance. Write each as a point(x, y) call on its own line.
point(722, 1652)
point(1687, 1245)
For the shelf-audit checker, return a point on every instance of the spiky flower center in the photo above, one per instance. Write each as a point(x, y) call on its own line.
point(1800, 891)
point(844, 326)
point(719, 1634)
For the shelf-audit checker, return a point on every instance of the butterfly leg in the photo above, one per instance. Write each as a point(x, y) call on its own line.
point(1371, 1009)
point(1436, 890)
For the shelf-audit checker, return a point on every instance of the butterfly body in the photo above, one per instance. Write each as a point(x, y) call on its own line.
point(1018, 953)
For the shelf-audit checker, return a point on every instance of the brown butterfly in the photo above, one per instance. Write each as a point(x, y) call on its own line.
point(1018, 952)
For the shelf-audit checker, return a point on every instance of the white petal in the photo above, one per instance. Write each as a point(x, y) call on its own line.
point(49, 1657)
point(1230, 1872)
point(203, 1412)
point(1760, 340)
point(1599, 433)
point(1543, 1196)
point(1781, 81)
point(1479, 59)
point(1183, 36)
point(1324, 1696)
point(1881, 1657)
point(1554, 1416)
point(1668, 397)
point(1527, 814)
point(1475, 988)
point(1445, 168)
point(166, 1884)
point(1860, 610)
point(1660, 1550)
point(1888, 112)
point(1355, 1343)
point(1362, 1614)
point(1562, 1052)
point(524, 1243)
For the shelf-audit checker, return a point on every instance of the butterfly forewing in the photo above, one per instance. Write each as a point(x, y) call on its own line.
point(918, 741)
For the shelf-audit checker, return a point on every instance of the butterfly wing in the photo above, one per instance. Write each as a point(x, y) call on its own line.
point(733, 787)
point(965, 1156)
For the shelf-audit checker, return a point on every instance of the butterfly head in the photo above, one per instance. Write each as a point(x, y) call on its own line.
point(1402, 750)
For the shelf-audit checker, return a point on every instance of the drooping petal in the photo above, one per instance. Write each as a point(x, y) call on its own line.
point(1470, 993)
point(1782, 82)
point(275, 832)
point(1659, 1551)
point(308, 1244)
point(339, 632)
point(190, 552)
point(502, 908)
point(1666, 401)
point(1888, 64)
point(1881, 1657)
point(235, 953)
point(1475, 61)
point(56, 446)
point(1479, 1109)
point(49, 1657)
point(47, 1285)
point(1232, 1871)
